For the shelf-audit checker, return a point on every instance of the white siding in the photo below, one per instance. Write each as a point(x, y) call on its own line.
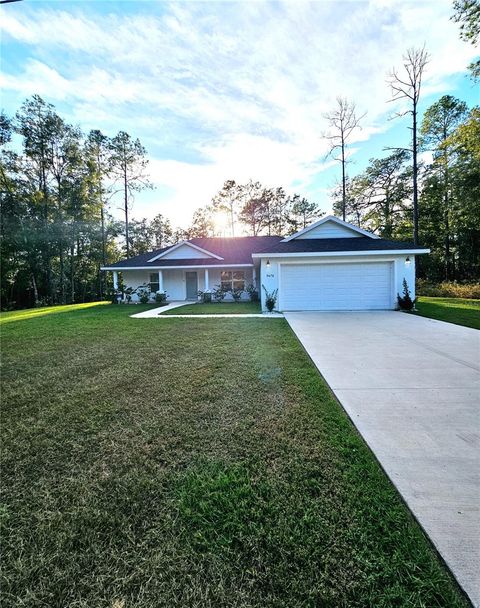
point(174, 280)
point(271, 279)
point(329, 230)
point(345, 286)
point(185, 252)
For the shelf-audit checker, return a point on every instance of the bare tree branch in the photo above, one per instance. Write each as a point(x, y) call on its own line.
point(408, 86)
point(342, 121)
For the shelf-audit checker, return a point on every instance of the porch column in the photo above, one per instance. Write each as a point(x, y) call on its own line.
point(207, 287)
point(115, 280)
point(160, 280)
point(254, 277)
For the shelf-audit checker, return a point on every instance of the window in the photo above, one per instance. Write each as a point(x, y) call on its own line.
point(154, 284)
point(232, 279)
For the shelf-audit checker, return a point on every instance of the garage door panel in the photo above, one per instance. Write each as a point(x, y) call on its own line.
point(345, 286)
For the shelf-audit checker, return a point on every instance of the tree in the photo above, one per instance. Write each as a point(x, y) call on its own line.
point(382, 193)
point(129, 164)
point(465, 179)
point(51, 234)
point(439, 123)
point(302, 212)
point(255, 201)
point(354, 203)
point(467, 14)
point(407, 85)
point(227, 201)
point(278, 212)
point(162, 232)
point(37, 123)
point(140, 234)
point(343, 121)
point(99, 162)
point(203, 224)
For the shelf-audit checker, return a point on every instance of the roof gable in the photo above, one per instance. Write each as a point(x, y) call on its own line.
point(330, 227)
point(185, 251)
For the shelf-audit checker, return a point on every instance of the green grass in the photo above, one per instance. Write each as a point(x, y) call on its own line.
point(30, 313)
point(217, 308)
point(195, 463)
point(461, 311)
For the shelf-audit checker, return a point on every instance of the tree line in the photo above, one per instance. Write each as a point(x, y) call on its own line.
point(57, 186)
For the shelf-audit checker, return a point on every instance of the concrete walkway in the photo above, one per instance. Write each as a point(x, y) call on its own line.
point(411, 385)
point(157, 313)
point(154, 312)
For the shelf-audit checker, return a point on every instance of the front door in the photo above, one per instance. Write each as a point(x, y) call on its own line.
point(192, 285)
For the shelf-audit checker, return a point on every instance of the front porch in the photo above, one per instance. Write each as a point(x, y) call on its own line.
point(182, 284)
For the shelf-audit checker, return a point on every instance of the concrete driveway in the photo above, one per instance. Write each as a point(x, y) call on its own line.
point(412, 388)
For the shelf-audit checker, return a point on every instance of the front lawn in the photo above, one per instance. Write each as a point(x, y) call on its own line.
point(29, 313)
point(194, 463)
point(217, 308)
point(461, 311)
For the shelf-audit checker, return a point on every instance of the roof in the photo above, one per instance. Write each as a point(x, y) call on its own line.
point(233, 250)
point(337, 245)
point(327, 220)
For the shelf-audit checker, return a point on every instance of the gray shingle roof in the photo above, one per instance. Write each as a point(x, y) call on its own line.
point(239, 250)
point(337, 245)
point(236, 250)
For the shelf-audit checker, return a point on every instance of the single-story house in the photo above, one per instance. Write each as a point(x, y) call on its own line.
point(329, 265)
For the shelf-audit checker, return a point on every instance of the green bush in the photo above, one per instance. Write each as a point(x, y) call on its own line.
point(252, 292)
point(237, 294)
point(448, 289)
point(218, 293)
point(405, 302)
point(160, 297)
point(270, 298)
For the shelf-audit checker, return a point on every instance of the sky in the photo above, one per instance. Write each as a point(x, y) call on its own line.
point(229, 90)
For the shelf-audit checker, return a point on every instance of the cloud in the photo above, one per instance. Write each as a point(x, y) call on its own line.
point(225, 90)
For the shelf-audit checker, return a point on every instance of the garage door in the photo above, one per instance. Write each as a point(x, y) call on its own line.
point(362, 286)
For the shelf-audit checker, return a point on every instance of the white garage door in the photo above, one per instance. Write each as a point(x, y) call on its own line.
point(361, 286)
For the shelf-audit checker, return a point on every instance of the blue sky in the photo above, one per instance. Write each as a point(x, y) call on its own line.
point(227, 90)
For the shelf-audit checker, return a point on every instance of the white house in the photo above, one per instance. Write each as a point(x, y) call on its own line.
point(330, 265)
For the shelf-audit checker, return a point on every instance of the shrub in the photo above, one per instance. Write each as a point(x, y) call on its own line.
point(237, 294)
point(160, 297)
point(270, 298)
point(204, 296)
point(448, 289)
point(219, 293)
point(406, 302)
point(143, 295)
point(252, 292)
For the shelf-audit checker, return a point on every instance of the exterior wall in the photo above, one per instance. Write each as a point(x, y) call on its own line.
point(269, 277)
point(185, 252)
point(329, 230)
point(174, 282)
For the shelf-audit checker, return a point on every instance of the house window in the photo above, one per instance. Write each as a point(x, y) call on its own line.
point(232, 279)
point(154, 284)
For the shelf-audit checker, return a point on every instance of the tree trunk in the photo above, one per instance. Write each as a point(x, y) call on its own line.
point(103, 287)
point(344, 188)
point(72, 268)
point(415, 174)
point(125, 193)
point(35, 290)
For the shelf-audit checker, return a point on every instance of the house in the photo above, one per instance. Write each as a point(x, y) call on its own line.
point(330, 265)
